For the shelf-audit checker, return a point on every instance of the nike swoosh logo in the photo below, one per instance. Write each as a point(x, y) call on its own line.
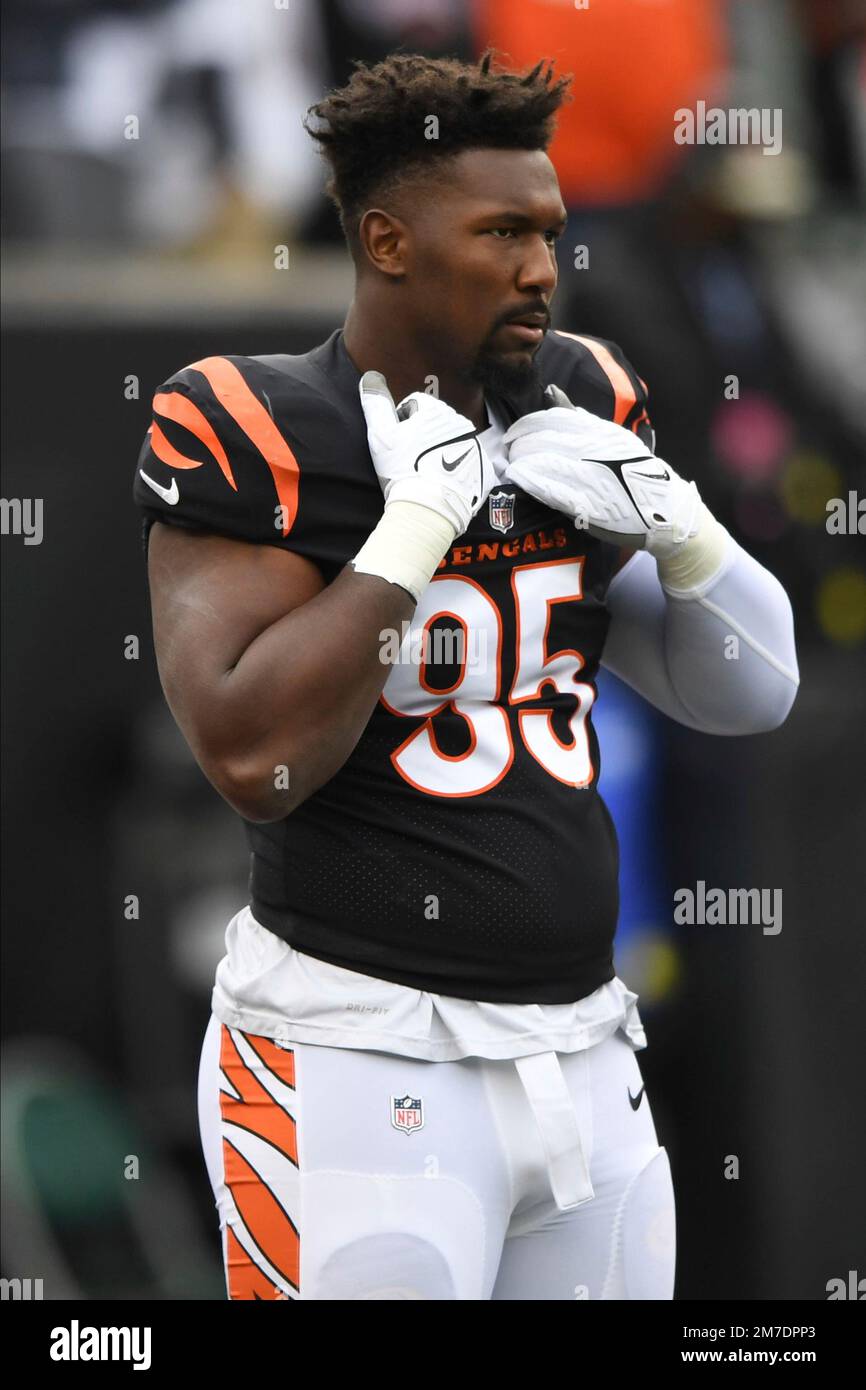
point(638, 458)
point(636, 1100)
point(171, 495)
point(450, 464)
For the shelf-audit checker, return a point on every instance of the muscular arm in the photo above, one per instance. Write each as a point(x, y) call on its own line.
point(262, 665)
point(679, 654)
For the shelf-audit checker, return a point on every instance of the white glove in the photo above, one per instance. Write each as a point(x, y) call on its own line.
point(603, 477)
point(425, 452)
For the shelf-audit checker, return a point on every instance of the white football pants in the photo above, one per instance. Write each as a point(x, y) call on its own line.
point(345, 1174)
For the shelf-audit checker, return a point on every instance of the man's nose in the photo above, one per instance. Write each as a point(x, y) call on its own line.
point(539, 269)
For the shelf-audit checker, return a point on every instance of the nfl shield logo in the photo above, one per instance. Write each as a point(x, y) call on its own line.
point(501, 510)
point(407, 1113)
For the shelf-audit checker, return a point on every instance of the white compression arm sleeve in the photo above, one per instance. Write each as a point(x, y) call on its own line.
point(721, 660)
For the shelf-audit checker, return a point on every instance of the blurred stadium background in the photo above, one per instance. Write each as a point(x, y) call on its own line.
point(153, 161)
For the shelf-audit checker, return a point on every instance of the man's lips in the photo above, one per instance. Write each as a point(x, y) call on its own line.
point(529, 330)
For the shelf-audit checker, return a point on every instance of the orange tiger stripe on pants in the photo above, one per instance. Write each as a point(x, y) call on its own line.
point(266, 1221)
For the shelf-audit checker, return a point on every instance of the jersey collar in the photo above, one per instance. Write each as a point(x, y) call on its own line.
point(332, 357)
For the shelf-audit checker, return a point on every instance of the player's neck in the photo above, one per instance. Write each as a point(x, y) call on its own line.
point(406, 365)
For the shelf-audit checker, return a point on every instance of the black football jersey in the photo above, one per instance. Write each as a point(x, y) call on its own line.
point(463, 848)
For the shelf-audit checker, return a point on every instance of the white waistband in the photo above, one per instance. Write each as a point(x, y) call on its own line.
point(263, 985)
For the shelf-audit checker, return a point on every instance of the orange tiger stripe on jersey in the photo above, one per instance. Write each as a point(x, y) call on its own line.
point(246, 410)
point(165, 450)
point(271, 1228)
point(624, 392)
point(173, 406)
point(245, 1279)
point(256, 1111)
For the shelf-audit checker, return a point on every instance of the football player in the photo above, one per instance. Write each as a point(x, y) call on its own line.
point(384, 575)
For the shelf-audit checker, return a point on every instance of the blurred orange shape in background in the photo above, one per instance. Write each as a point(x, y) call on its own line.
point(635, 62)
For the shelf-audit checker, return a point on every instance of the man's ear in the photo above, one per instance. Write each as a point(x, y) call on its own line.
point(384, 241)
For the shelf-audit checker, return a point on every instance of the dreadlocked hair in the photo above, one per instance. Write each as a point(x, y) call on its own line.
point(374, 131)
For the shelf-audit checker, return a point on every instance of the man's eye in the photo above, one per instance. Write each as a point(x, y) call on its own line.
point(552, 234)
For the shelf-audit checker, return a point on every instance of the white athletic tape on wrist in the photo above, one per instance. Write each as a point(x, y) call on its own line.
point(699, 562)
point(406, 546)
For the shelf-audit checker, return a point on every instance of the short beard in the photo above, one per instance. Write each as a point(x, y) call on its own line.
point(503, 378)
